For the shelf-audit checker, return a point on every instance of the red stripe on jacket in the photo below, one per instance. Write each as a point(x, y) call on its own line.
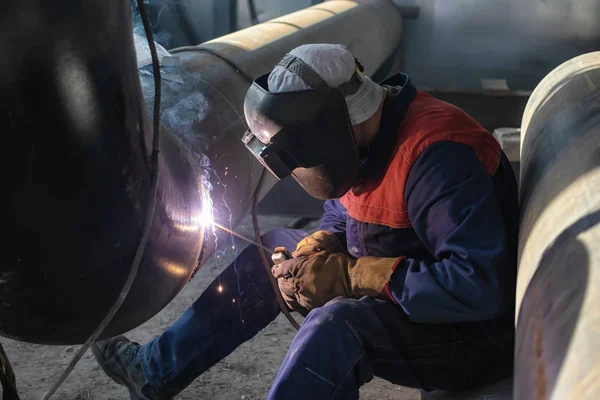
point(427, 121)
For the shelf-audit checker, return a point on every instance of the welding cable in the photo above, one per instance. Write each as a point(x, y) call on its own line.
point(263, 254)
point(149, 210)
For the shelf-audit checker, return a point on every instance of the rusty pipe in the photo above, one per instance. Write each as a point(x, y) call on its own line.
point(557, 341)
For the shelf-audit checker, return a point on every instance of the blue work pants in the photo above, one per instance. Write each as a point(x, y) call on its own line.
point(339, 347)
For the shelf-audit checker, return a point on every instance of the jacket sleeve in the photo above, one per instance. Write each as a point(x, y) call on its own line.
point(334, 219)
point(454, 211)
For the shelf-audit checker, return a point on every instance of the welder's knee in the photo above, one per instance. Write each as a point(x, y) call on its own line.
point(334, 316)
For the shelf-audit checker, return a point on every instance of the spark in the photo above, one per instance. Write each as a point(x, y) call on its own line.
point(244, 238)
point(239, 286)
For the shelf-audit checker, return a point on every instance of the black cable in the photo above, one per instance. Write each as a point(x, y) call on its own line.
point(149, 213)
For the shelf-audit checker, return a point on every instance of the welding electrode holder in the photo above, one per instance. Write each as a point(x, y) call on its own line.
point(280, 255)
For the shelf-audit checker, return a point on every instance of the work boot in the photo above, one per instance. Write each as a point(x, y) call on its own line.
point(120, 360)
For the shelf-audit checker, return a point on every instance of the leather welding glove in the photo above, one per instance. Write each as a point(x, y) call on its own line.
point(320, 277)
point(318, 241)
point(281, 254)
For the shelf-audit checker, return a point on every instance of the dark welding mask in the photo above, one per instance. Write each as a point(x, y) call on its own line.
point(307, 133)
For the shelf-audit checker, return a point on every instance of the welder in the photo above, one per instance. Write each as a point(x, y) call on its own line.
point(411, 274)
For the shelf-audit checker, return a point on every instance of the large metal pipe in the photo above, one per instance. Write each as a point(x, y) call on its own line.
point(75, 169)
point(558, 297)
point(75, 173)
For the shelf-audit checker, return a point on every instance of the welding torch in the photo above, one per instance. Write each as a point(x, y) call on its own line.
point(276, 257)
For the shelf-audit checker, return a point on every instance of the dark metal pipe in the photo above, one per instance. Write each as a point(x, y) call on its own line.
point(75, 172)
point(558, 297)
point(75, 168)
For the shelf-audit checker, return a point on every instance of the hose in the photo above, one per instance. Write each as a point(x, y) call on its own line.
point(263, 254)
point(149, 213)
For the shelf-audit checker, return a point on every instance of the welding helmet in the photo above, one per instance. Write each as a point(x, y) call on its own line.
point(306, 133)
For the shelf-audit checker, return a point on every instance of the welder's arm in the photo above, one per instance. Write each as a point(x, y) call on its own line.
point(334, 219)
point(452, 208)
point(330, 236)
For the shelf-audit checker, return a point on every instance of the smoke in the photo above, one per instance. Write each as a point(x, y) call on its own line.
point(183, 115)
point(204, 163)
point(180, 118)
point(160, 36)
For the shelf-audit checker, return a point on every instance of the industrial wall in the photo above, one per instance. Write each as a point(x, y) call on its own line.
point(453, 43)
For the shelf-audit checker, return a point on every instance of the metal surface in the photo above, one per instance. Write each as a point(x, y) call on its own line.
point(76, 177)
point(558, 344)
point(75, 167)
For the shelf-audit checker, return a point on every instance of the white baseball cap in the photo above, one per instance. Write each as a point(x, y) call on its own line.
point(335, 64)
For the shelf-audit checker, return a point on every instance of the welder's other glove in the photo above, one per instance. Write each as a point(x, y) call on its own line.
point(319, 241)
point(320, 277)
